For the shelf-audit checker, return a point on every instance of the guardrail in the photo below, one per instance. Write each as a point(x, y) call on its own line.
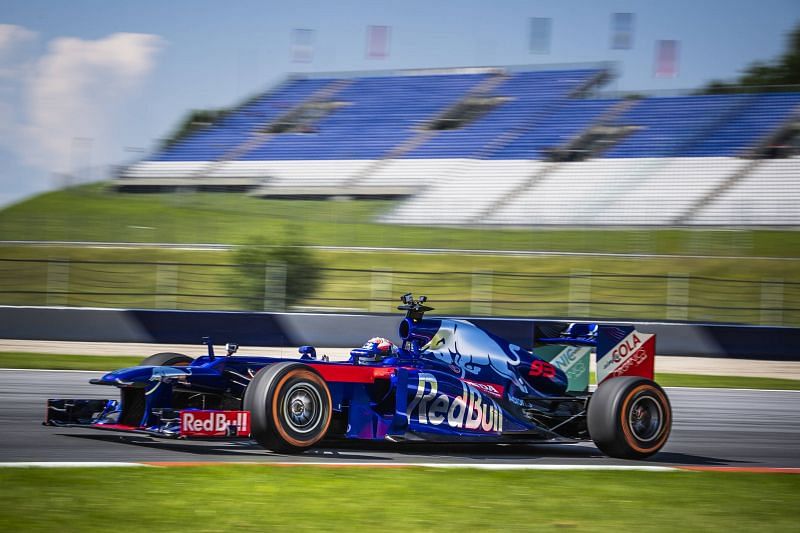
point(346, 330)
point(582, 292)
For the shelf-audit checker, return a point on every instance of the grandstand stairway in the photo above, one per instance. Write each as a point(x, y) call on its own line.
point(768, 195)
point(478, 182)
point(750, 168)
point(516, 146)
point(258, 137)
point(700, 202)
point(468, 186)
point(423, 135)
point(541, 173)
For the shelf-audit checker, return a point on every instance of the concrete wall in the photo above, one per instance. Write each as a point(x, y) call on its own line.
point(329, 330)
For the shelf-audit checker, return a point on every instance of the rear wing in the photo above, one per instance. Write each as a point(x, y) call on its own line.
point(619, 351)
point(623, 351)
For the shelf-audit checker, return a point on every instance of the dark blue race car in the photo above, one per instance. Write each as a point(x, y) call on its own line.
point(449, 380)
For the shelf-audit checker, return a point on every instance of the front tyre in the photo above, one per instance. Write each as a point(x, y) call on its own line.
point(290, 407)
point(629, 417)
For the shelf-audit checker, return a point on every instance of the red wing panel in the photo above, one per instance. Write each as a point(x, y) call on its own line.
point(353, 373)
point(631, 353)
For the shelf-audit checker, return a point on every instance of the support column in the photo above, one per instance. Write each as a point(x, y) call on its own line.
point(481, 300)
point(580, 293)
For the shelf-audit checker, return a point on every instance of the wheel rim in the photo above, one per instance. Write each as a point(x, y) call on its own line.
point(645, 418)
point(302, 408)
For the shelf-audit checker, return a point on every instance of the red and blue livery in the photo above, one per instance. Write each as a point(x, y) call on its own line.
point(448, 381)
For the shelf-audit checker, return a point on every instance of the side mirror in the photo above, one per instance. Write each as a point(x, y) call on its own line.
point(231, 348)
point(307, 352)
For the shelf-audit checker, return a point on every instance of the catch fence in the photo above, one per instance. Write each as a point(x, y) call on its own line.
point(574, 294)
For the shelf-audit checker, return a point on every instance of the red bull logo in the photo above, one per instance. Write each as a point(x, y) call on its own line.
point(471, 410)
point(215, 423)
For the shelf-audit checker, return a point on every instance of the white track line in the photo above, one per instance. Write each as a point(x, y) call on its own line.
point(476, 466)
point(50, 370)
point(70, 464)
point(732, 390)
point(489, 466)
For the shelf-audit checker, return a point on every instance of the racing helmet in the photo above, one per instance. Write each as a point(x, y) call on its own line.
point(374, 350)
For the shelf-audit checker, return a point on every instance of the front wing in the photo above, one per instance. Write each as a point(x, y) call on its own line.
point(105, 414)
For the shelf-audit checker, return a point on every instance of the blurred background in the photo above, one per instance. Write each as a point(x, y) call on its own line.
point(579, 159)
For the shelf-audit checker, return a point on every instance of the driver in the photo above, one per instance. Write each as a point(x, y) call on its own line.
point(374, 350)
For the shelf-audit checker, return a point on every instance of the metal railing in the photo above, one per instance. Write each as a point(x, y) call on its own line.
point(575, 293)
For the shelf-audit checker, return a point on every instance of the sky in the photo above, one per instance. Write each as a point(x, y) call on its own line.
point(89, 85)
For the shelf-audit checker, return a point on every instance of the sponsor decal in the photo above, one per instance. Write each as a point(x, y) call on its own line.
point(469, 350)
point(540, 368)
point(574, 361)
point(569, 357)
point(626, 346)
point(488, 388)
point(471, 410)
point(215, 423)
point(635, 360)
point(633, 355)
point(516, 401)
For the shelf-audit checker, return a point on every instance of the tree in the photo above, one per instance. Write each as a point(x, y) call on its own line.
point(273, 275)
point(195, 120)
point(760, 76)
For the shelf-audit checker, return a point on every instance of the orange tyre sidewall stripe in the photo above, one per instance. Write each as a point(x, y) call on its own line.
point(667, 419)
point(311, 376)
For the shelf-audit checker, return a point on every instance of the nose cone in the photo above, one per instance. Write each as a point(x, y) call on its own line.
point(128, 376)
point(142, 375)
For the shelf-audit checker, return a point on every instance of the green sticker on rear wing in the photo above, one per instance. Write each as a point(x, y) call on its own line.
point(573, 360)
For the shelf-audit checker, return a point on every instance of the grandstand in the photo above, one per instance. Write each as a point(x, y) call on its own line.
point(501, 146)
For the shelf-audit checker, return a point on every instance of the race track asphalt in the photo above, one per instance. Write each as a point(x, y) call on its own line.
point(712, 427)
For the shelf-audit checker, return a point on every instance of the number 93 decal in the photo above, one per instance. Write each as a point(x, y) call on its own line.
point(542, 369)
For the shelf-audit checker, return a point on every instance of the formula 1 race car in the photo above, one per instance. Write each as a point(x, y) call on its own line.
point(449, 380)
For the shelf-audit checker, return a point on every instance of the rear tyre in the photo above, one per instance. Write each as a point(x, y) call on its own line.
point(629, 417)
point(290, 407)
point(167, 359)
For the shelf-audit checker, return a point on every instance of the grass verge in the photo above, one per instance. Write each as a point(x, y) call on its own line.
point(46, 361)
point(726, 382)
point(93, 212)
point(726, 283)
point(254, 498)
point(104, 362)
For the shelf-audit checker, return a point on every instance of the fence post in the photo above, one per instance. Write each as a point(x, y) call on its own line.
point(166, 286)
point(481, 301)
point(580, 293)
point(381, 291)
point(677, 296)
point(58, 282)
point(275, 286)
point(772, 301)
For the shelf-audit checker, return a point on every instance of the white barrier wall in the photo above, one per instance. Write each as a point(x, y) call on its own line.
point(630, 191)
point(770, 194)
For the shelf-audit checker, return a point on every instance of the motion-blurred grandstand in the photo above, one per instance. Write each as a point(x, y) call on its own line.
point(500, 146)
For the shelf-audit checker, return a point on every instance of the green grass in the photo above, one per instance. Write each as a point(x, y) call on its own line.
point(104, 362)
point(519, 286)
point(261, 498)
point(46, 361)
point(720, 288)
point(726, 382)
point(93, 212)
